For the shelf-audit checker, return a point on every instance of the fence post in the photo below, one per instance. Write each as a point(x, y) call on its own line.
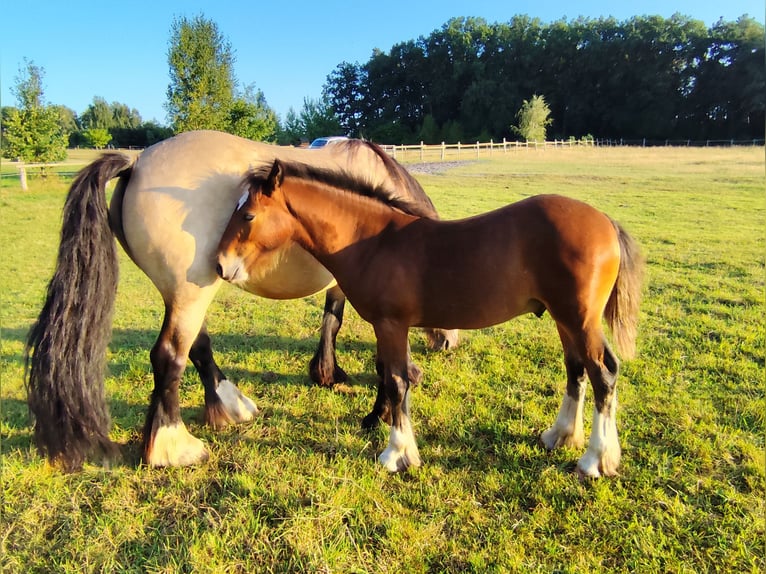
point(23, 177)
point(458, 150)
point(444, 150)
point(421, 151)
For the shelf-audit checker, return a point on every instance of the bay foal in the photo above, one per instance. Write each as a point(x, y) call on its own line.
point(544, 253)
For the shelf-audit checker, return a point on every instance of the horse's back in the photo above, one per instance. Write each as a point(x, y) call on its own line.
point(514, 259)
point(182, 192)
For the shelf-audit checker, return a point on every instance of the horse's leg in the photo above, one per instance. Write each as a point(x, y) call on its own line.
point(603, 453)
point(224, 402)
point(167, 442)
point(323, 368)
point(402, 450)
point(567, 430)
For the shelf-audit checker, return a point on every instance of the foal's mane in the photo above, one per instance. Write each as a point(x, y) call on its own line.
point(346, 182)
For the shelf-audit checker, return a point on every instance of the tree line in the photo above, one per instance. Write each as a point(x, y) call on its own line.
point(645, 77)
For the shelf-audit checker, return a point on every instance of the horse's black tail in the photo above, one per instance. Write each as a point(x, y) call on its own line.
point(66, 347)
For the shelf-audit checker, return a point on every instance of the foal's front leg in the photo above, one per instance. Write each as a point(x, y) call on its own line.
point(402, 450)
point(381, 411)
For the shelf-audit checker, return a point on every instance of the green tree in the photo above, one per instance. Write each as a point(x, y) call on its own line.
point(533, 118)
point(290, 129)
point(33, 131)
point(429, 131)
point(201, 89)
point(97, 137)
point(345, 91)
point(97, 115)
point(250, 117)
point(316, 119)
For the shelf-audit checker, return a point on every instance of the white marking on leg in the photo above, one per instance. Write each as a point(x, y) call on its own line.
point(176, 446)
point(402, 450)
point(239, 408)
point(567, 430)
point(603, 454)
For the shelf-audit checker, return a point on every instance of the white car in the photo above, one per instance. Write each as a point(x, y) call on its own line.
point(321, 142)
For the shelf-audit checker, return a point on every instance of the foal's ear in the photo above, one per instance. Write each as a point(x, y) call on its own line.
point(274, 181)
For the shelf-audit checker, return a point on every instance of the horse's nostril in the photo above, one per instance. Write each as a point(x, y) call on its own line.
point(219, 270)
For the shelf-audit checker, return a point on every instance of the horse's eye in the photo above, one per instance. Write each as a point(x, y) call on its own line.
point(249, 216)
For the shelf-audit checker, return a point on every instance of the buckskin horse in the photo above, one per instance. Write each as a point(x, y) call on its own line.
point(168, 211)
point(401, 269)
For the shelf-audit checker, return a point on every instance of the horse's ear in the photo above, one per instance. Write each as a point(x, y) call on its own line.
point(276, 176)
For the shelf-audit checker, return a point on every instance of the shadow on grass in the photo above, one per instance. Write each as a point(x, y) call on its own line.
point(479, 451)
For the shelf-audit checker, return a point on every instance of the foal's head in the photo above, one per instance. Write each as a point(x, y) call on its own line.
point(259, 231)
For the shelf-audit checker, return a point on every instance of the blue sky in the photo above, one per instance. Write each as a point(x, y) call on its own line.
point(118, 50)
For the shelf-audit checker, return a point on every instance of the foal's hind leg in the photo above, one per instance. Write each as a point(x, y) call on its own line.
point(323, 368)
point(603, 453)
point(567, 430)
point(167, 442)
point(224, 402)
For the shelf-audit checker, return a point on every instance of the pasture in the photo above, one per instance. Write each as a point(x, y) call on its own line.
point(299, 489)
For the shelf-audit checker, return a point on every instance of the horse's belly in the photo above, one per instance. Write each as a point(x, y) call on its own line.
point(292, 273)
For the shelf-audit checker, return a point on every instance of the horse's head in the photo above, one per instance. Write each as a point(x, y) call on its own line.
point(259, 232)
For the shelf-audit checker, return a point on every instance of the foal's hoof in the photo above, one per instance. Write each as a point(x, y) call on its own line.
point(399, 460)
point(591, 465)
point(371, 421)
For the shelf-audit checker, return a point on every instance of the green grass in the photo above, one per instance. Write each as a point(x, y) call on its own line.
point(299, 490)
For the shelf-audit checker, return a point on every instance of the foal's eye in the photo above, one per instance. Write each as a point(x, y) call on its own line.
point(249, 216)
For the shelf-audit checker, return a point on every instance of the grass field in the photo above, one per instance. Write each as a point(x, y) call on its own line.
point(299, 490)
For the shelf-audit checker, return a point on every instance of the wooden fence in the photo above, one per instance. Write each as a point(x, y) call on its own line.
point(460, 151)
point(452, 152)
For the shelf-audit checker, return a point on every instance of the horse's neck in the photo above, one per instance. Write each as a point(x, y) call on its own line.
point(332, 220)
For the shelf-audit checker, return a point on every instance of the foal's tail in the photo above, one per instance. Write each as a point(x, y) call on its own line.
point(622, 308)
point(66, 347)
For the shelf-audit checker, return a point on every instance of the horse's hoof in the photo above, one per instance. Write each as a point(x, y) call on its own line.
point(441, 340)
point(174, 446)
point(414, 373)
point(233, 407)
point(324, 376)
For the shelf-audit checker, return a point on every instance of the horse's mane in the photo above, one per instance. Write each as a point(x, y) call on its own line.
point(399, 176)
point(349, 183)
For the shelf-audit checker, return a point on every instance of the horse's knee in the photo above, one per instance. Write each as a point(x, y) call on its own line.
point(167, 361)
